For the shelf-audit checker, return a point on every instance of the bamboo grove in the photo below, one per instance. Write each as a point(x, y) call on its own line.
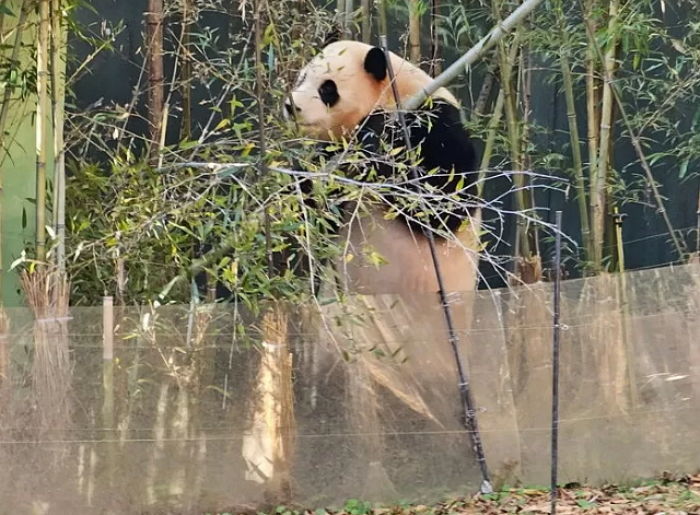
point(208, 83)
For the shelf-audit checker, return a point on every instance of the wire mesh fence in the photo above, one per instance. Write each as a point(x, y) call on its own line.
point(210, 407)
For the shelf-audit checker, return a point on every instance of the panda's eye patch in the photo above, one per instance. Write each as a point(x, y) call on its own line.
point(329, 93)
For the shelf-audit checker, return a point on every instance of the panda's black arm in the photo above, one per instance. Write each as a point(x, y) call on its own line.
point(447, 158)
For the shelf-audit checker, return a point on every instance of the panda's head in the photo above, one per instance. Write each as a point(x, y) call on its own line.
point(346, 82)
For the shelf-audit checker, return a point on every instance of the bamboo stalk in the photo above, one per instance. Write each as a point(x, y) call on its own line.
point(383, 24)
point(435, 50)
point(490, 141)
point(42, 112)
point(414, 52)
point(599, 180)
point(262, 141)
point(484, 93)
point(525, 94)
point(58, 101)
point(349, 13)
point(506, 59)
point(658, 199)
point(637, 146)
point(484, 45)
point(568, 85)
point(186, 73)
point(156, 79)
point(660, 206)
point(592, 93)
point(366, 21)
point(340, 13)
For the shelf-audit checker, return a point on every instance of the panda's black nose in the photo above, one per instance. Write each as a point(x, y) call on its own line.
point(289, 108)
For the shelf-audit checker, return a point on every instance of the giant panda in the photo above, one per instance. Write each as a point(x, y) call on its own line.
point(344, 93)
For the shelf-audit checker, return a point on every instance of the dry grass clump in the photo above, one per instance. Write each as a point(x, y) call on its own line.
point(46, 290)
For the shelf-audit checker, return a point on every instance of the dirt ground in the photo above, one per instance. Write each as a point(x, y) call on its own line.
point(663, 496)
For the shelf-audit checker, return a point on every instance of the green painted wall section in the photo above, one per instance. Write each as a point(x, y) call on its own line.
point(18, 210)
point(17, 166)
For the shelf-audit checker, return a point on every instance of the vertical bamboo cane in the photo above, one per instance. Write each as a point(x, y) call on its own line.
point(186, 74)
point(568, 85)
point(156, 97)
point(42, 112)
point(592, 89)
point(490, 141)
point(340, 16)
point(643, 161)
point(435, 54)
point(349, 13)
point(600, 179)
point(383, 24)
point(260, 6)
point(414, 31)
point(506, 60)
point(366, 21)
point(532, 265)
point(58, 101)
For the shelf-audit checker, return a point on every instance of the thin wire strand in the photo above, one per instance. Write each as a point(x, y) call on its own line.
point(348, 434)
point(564, 326)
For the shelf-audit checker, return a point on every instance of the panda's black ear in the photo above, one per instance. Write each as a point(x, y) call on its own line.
point(375, 63)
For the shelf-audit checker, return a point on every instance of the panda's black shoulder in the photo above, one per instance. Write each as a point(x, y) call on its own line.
point(437, 128)
point(447, 157)
point(447, 143)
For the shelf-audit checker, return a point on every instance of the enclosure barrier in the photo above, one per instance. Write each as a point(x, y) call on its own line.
point(207, 407)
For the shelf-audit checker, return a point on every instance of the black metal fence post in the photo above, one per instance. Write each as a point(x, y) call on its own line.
point(555, 365)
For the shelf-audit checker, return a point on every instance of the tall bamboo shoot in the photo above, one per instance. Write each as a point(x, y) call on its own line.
point(42, 113)
point(579, 180)
point(156, 102)
point(366, 7)
point(599, 178)
point(414, 31)
point(435, 54)
point(58, 101)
